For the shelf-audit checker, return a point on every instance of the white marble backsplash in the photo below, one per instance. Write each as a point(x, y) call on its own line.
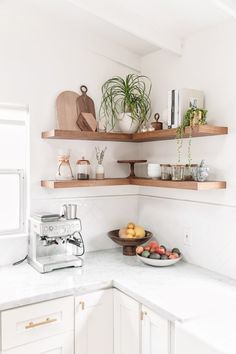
point(98, 215)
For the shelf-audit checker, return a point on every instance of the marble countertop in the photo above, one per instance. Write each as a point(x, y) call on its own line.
point(215, 330)
point(181, 292)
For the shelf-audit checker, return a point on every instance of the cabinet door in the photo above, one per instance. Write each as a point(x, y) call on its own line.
point(155, 333)
point(126, 324)
point(60, 344)
point(94, 323)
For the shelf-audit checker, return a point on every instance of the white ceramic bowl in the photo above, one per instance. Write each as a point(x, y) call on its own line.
point(154, 170)
point(158, 262)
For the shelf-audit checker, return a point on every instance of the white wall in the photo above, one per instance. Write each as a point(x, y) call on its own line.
point(45, 49)
point(208, 63)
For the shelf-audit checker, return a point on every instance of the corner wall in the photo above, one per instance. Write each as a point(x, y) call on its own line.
point(208, 63)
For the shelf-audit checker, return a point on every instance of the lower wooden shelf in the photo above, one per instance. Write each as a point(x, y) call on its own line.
point(191, 185)
point(85, 183)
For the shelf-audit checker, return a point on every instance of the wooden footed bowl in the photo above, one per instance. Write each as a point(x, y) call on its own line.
point(129, 244)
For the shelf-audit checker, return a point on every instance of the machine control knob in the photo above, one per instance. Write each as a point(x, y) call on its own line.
point(50, 228)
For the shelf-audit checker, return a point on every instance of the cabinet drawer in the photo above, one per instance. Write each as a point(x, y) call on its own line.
point(34, 322)
point(60, 344)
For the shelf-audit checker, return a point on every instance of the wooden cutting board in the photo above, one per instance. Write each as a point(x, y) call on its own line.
point(85, 104)
point(67, 115)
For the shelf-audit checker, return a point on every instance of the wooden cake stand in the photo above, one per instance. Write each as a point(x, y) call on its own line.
point(132, 163)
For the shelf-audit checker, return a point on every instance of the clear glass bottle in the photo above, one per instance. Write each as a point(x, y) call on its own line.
point(165, 172)
point(83, 169)
point(177, 172)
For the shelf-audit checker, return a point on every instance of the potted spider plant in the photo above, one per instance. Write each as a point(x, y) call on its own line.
point(126, 102)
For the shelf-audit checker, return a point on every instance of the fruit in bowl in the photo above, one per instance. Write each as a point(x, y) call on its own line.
point(132, 231)
point(157, 255)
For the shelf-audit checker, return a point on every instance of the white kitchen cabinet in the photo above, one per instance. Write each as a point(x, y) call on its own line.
point(45, 327)
point(60, 344)
point(126, 324)
point(155, 333)
point(94, 323)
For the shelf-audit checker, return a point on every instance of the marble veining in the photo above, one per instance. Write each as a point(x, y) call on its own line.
point(181, 292)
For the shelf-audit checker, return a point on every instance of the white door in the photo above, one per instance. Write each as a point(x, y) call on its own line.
point(155, 333)
point(126, 324)
point(60, 344)
point(94, 323)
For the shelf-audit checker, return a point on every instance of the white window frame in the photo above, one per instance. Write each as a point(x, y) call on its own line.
point(17, 115)
point(22, 214)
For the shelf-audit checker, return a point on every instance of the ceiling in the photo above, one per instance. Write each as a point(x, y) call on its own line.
point(146, 26)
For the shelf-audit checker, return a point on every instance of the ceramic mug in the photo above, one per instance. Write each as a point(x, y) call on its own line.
point(154, 170)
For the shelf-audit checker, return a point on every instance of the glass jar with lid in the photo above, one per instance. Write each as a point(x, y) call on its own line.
point(177, 172)
point(165, 171)
point(83, 169)
point(190, 171)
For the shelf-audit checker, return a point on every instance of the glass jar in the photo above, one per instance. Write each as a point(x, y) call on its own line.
point(83, 169)
point(64, 171)
point(201, 172)
point(177, 172)
point(190, 171)
point(165, 172)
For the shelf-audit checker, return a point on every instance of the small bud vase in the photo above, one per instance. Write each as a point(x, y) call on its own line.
point(100, 172)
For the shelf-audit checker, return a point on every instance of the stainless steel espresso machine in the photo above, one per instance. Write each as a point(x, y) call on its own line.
point(55, 241)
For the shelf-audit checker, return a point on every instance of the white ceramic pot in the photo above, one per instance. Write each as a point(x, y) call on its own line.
point(127, 124)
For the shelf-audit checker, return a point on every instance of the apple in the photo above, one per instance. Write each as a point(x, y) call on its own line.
point(161, 250)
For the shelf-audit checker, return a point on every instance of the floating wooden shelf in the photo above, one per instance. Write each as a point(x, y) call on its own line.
point(166, 134)
point(78, 135)
point(169, 134)
point(191, 185)
point(85, 183)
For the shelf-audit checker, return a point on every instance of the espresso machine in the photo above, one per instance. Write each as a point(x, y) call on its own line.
point(55, 241)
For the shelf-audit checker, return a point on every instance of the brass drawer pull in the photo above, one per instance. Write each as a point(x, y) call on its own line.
point(143, 313)
point(82, 303)
point(37, 324)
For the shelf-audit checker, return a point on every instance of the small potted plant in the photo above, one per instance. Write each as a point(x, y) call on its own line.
point(193, 117)
point(126, 102)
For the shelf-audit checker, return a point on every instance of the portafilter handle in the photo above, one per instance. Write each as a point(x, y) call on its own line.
point(63, 211)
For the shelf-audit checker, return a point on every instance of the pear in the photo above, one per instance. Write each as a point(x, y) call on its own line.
point(123, 233)
point(139, 231)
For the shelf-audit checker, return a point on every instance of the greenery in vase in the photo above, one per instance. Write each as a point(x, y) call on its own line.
point(100, 154)
point(128, 95)
point(194, 116)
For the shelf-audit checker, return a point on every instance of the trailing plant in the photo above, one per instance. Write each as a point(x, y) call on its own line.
point(194, 116)
point(128, 95)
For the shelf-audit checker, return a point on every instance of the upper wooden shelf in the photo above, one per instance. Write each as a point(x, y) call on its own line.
point(166, 134)
point(169, 134)
point(78, 135)
point(147, 182)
